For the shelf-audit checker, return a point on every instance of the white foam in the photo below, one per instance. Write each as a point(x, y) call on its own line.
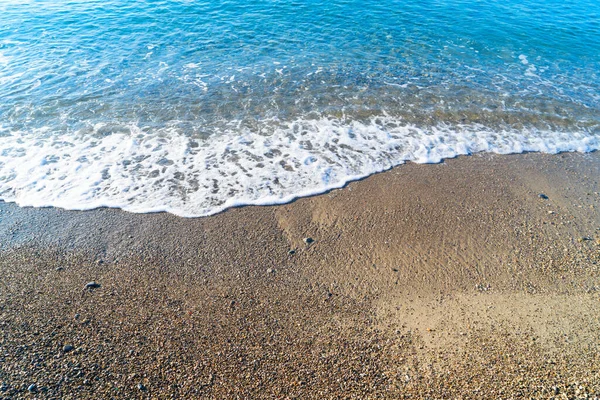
point(531, 69)
point(523, 59)
point(167, 171)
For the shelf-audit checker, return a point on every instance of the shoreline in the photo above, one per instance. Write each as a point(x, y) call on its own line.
point(431, 280)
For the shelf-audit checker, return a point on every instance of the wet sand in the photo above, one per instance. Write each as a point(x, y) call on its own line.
point(454, 280)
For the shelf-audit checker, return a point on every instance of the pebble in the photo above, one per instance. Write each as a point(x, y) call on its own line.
point(543, 196)
point(4, 387)
point(270, 271)
point(67, 348)
point(482, 288)
point(141, 386)
point(92, 285)
point(292, 252)
point(59, 268)
point(32, 388)
point(308, 240)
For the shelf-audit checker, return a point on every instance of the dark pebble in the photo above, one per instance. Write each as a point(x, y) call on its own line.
point(92, 285)
point(141, 387)
point(32, 388)
point(59, 268)
point(292, 252)
point(4, 387)
point(67, 348)
point(308, 240)
point(543, 196)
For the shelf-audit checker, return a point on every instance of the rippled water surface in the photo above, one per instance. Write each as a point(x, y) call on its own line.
point(195, 106)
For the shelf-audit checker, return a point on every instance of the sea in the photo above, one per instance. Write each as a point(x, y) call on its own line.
point(194, 107)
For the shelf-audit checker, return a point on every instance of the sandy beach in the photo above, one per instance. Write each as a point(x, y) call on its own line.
point(475, 278)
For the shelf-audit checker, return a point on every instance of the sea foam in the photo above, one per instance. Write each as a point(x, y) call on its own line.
point(168, 171)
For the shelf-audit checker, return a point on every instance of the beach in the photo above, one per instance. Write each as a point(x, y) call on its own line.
point(299, 200)
point(478, 277)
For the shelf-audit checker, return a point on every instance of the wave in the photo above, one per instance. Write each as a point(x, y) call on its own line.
point(130, 168)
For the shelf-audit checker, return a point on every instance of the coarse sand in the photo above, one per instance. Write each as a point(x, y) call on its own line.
point(475, 278)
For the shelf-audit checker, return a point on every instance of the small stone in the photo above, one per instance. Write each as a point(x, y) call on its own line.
point(77, 316)
point(59, 268)
point(292, 252)
point(482, 288)
point(92, 285)
point(270, 271)
point(543, 196)
point(67, 348)
point(550, 212)
point(308, 240)
point(141, 386)
point(4, 387)
point(32, 388)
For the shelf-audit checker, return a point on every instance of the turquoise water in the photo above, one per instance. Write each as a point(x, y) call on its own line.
point(192, 107)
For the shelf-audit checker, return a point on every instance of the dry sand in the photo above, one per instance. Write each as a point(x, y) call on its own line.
point(454, 280)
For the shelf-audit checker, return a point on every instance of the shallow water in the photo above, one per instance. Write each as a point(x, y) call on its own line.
point(193, 107)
